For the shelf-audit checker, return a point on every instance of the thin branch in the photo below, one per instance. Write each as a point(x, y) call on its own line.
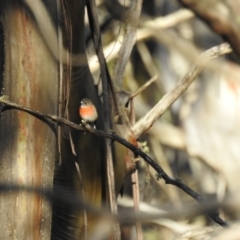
point(143, 87)
point(111, 135)
point(106, 85)
point(55, 118)
point(143, 125)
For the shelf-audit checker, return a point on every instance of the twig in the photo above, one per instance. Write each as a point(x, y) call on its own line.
point(111, 135)
point(143, 87)
point(143, 125)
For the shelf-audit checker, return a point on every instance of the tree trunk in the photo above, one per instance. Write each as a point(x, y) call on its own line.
point(27, 143)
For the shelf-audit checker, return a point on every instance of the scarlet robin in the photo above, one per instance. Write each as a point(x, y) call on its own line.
point(88, 112)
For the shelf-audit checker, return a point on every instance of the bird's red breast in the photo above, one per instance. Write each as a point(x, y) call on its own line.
point(87, 111)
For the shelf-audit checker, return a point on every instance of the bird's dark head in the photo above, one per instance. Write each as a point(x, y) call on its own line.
point(86, 102)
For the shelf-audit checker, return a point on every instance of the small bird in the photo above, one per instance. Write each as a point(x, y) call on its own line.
point(88, 112)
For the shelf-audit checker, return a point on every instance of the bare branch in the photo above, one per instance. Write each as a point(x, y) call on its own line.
point(111, 135)
point(143, 125)
point(143, 87)
point(54, 118)
point(128, 42)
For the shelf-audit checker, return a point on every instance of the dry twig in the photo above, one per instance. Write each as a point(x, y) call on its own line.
point(111, 135)
point(143, 125)
point(143, 87)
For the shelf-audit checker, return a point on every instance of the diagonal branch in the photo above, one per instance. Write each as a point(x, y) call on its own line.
point(143, 125)
point(111, 135)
